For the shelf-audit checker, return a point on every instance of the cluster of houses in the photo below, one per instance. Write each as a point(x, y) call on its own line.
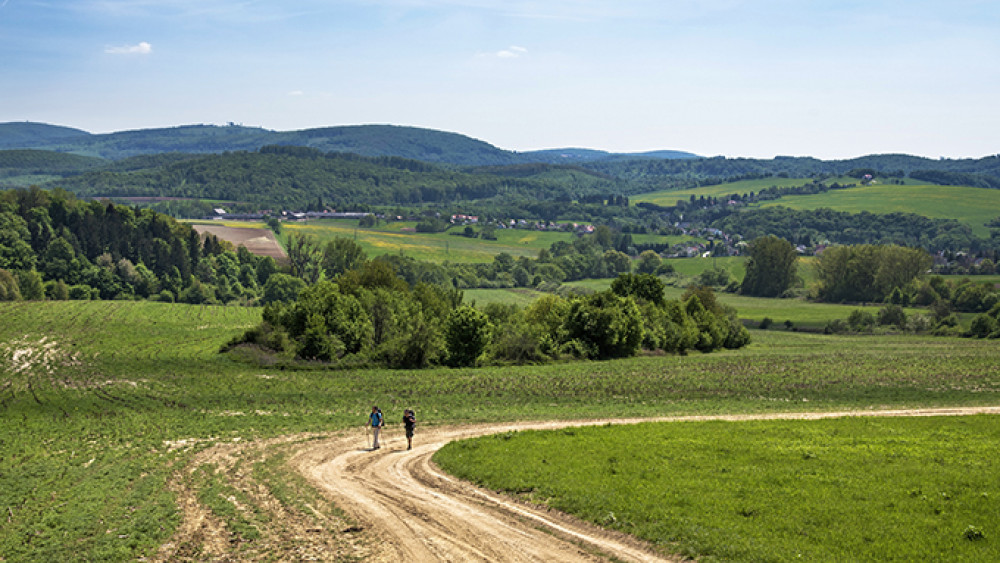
point(579, 228)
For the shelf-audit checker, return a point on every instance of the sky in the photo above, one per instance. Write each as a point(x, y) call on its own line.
point(828, 79)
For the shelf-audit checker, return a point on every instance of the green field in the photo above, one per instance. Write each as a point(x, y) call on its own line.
point(399, 238)
point(668, 198)
point(849, 489)
point(971, 206)
point(94, 396)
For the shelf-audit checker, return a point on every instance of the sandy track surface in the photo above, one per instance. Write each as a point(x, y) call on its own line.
point(397, 505)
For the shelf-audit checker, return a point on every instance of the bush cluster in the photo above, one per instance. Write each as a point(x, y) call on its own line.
point(371, 316)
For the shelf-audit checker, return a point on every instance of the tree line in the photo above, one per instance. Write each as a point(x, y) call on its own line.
point(55, 246)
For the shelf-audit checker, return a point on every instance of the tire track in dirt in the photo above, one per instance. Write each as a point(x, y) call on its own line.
point(416, 512)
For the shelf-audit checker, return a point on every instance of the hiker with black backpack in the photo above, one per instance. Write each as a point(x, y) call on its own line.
point(376, 422)
point(409, 422)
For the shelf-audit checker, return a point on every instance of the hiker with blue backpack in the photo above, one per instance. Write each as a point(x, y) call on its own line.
point(376, 421)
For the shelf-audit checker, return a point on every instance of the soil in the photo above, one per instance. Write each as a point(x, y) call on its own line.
point(394, 504)
point(261, 242)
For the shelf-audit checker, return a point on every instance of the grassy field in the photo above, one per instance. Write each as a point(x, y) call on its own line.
point(400, 238)
point(971, 206)
point(850, 489)
point(393, 238)
point(96, 396)
point(669, 198)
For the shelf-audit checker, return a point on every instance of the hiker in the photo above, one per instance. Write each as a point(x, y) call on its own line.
point(376, 421)
point(409, 421)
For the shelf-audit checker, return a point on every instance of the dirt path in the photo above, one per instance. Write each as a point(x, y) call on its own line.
point(396, 505)
point(421, 514)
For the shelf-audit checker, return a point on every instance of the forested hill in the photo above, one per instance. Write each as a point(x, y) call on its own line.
point(280, 177)
point(646, 174)
point(642, 171)
point(367, 140)
point(28, 135)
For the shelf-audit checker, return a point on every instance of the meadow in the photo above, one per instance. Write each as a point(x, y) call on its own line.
point(400, 237)
point(971, 206)
point(668, 198)
point(103, 403)
point(847, 489)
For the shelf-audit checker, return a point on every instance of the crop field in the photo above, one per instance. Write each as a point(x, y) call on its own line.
point(103, 404)
point(849, 489)
point(971, 206)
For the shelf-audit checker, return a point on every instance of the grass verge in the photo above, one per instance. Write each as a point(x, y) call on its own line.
point(834, 490)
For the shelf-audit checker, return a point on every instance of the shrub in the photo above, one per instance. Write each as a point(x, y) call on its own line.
point(983, 325)
point(861, 320)
point(836, 326)
point(9, 290)
point(918, 323)
point(82, 292)
point(467, 331)
point(516, 342)
point(892, 315)
point(766, 323)
point(610, 325)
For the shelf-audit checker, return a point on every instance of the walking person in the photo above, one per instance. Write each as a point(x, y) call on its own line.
point(376, 421)
point(409, 422)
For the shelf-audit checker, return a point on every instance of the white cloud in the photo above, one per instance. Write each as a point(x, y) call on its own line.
point(512, 52)
point(296, 93)
point(142, 48)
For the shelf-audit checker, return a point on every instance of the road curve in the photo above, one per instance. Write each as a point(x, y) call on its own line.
point(418, 513)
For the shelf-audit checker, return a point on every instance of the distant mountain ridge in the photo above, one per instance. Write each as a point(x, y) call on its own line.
point(29, 135)
point(416, 143)
point(67, 150)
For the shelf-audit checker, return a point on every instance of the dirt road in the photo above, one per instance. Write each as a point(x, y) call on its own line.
point(423, 515)
point(397, 506)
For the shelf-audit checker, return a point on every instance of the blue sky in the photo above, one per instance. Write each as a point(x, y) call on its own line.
point(714, 77)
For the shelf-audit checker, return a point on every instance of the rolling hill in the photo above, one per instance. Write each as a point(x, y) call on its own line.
point(367, 140)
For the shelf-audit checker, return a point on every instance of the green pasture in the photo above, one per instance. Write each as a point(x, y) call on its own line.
point(393, 238)
point(669, 198)
point(991, 279)
point(848, 489)
point(520, 296)
point(971, 206)
point(101, 402)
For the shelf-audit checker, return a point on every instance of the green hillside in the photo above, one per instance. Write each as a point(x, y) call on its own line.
point(370, 140)
point(24, 162)
point(26, 134)
point(971, 206)
point(655, 175)
point(108, 402)
point(279, 177)
point(668, 198)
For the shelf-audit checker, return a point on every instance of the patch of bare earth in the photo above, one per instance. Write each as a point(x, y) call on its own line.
point(261, 242)
point(351, 503)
